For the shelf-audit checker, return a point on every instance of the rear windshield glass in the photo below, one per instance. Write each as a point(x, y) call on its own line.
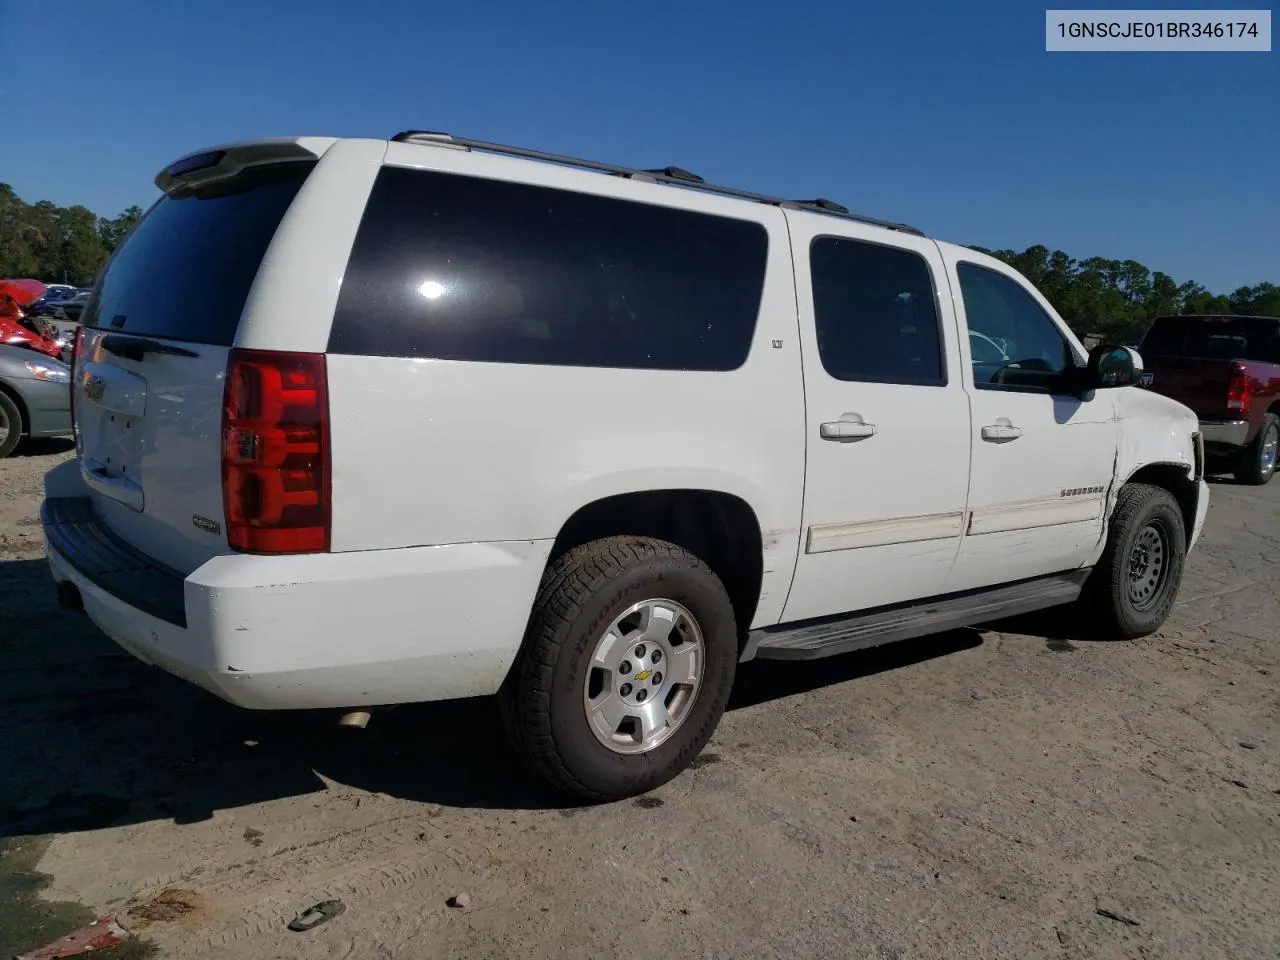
point(1215, 338)
point(460, 268)
point(185, 271)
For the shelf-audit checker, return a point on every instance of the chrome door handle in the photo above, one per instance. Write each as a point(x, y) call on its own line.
point(1001, 432)
point(847, 430)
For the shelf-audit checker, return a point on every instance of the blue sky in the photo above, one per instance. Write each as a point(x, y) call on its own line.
point(944, 116)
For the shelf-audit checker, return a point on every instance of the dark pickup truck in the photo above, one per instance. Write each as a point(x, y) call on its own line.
point(1226, 369)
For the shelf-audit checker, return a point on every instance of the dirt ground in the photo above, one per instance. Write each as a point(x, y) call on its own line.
point(1017, 794)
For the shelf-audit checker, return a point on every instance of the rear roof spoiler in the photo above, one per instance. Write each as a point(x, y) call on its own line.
point(215, 163)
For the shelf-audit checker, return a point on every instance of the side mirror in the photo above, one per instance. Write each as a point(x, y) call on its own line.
point(1112, 366)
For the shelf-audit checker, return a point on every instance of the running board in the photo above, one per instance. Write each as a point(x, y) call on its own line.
point(828, 636)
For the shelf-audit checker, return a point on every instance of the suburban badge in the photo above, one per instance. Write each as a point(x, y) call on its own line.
point(208, 526)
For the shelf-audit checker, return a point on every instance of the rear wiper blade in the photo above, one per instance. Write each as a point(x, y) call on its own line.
point(136, 348)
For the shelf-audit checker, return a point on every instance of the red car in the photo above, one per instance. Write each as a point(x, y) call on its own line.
point(15, 329)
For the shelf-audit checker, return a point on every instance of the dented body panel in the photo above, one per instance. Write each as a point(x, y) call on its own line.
point(1156, 431)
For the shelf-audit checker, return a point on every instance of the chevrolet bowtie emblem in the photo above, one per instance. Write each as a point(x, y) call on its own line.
point(94, 387)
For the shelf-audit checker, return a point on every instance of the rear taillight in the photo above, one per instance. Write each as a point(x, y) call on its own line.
point(1239, 392)
point(76, 353)
point(275, 452)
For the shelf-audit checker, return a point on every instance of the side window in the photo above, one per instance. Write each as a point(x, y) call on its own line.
point(462, 268)
point(875, 313)
point(1012, 342)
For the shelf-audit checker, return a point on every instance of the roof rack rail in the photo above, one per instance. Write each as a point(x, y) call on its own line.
point(825, 204)
point(675, 173)
point(671, 176)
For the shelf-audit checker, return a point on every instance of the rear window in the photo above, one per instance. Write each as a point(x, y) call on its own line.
point(185, 271)
point(1215, 338)
point(874, 313)
point(461, 268)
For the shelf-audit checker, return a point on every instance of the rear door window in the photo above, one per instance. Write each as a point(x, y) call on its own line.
point(185, 271)
point(875, 313)
point(461, 268)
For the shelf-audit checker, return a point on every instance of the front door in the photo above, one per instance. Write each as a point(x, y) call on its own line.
point(887, 447)
point(1043, 458)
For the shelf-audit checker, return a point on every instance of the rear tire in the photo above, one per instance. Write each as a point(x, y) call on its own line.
point(11, 426)
point(1258, 460)
point(573, 679)
point(1133, 588)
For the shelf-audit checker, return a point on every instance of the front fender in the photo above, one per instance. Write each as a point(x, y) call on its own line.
point(1153, 429)
point(1156, 443)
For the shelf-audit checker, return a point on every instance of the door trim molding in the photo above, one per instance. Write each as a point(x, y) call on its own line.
point(1074, 505)
point(1067, 507)
point(829, 537)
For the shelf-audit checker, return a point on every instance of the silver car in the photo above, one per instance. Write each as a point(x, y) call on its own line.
point(35, 397)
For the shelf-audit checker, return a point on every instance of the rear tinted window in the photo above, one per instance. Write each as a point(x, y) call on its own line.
point(460, 268)
point(1215, 338)
point(874, 312)
point(185, 271)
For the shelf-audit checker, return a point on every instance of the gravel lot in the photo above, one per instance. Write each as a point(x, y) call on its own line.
point(1016, 794)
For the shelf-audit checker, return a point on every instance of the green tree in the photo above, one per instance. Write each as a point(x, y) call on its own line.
point(1196, 299)
point(1118, 299)
point(1164, 299)
point(56, 244)
point(19, 246)
point(80, 252)
point(1262, 300)
point(112, 232)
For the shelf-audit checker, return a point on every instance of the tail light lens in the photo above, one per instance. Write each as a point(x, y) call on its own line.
point(1239, 392)
point(76, 353)
point(275, 452)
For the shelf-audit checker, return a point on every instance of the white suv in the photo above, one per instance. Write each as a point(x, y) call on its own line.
point(363, 422)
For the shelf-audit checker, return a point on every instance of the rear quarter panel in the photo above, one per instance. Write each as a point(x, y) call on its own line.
point(291, 303)
point(433, 452)
point(1265, 386)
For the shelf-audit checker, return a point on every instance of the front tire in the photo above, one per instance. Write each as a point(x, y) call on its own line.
point(1133, 588)
point(625, 670)
point(11, 426)
point(1258, 460)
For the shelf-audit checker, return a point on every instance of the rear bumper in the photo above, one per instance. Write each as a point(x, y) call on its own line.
point(309, 631)
point(1234, 433)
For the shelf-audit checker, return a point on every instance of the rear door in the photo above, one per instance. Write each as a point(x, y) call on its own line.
point(887, 431)
point(148, 381)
